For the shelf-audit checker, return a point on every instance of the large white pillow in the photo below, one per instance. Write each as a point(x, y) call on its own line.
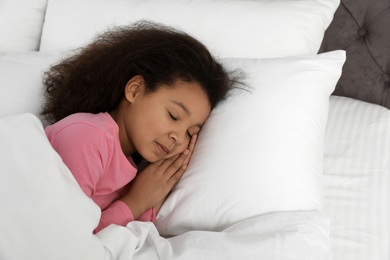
point(21, 88)
point(260, 151)
point(44, 214)
point(21, 23)
point(230, 28)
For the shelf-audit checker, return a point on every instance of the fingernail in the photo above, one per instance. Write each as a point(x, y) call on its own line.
point(186, 152)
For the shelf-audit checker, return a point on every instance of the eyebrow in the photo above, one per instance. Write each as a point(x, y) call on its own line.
point(180, 104)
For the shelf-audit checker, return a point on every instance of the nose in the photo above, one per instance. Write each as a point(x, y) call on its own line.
point(177, 137)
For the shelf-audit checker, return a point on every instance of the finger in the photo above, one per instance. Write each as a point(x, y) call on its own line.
point(176, 177)
point(191, 147)
point(166, 162)
point(176, 164)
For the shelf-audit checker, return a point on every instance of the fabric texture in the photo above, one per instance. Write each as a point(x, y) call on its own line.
point(361, 28)
point(89, 146)
point(281, 235)
point(252, 29)
point(261, 150)
point(44, 213)
point(21, 24)
point(21, 82)
point(357, 179)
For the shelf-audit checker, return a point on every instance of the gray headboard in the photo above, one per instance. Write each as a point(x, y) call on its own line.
point(362, 28)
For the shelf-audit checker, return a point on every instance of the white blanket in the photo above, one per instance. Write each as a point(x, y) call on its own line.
point(279, 236)
point(45, 215)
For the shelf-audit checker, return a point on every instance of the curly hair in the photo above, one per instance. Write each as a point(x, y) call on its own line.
point(94, 78)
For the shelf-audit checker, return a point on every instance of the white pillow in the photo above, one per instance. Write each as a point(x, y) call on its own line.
point(259, 152)
point(230, 28)
point(21, 82)
point(44, 213)
point(21, 23)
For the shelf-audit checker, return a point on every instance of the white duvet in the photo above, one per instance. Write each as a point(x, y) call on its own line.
point(276, 236)
point(45, 215)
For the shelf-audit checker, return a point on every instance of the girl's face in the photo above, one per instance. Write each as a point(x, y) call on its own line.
point(159, 125)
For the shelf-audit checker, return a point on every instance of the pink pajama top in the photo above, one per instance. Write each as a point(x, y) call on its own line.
point(89, 146)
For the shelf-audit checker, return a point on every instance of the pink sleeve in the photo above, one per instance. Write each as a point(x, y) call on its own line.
point(119, 213)
point(85, 151)
point(149, 215)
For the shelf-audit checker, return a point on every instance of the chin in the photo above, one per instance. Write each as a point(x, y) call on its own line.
point(151, 158)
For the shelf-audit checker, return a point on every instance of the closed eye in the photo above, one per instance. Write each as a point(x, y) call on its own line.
point(172, 116)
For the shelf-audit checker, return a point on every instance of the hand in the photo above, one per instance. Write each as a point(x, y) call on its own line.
point(152, 184)
point(191, 149)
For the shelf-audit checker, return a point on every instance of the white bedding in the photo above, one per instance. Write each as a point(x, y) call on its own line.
point(42, 204)
point(45, 215)
point(357, 179)
point(278, 236)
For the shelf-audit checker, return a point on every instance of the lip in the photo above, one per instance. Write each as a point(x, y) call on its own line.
point(162, 150)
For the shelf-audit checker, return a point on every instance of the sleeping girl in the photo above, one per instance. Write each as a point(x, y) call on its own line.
point(141, 91)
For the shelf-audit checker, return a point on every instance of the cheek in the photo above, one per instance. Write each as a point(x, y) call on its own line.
point(153, 125)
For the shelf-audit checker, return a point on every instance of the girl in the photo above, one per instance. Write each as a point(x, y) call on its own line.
point(139, 91)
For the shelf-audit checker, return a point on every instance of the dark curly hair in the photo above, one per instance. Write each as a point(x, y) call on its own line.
point(93, 79)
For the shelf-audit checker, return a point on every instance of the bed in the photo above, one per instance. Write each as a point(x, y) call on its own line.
point(297, 168)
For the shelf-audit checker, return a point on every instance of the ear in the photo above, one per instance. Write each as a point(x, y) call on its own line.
point(134, 87)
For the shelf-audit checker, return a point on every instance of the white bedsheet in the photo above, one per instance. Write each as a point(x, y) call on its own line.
point(357, 179)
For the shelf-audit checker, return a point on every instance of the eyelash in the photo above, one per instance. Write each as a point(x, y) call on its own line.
point(175, 119)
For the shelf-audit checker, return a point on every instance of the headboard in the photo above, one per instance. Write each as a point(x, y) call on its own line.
point(362, 28)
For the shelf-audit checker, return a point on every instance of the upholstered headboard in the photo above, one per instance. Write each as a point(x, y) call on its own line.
point(362, 28)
